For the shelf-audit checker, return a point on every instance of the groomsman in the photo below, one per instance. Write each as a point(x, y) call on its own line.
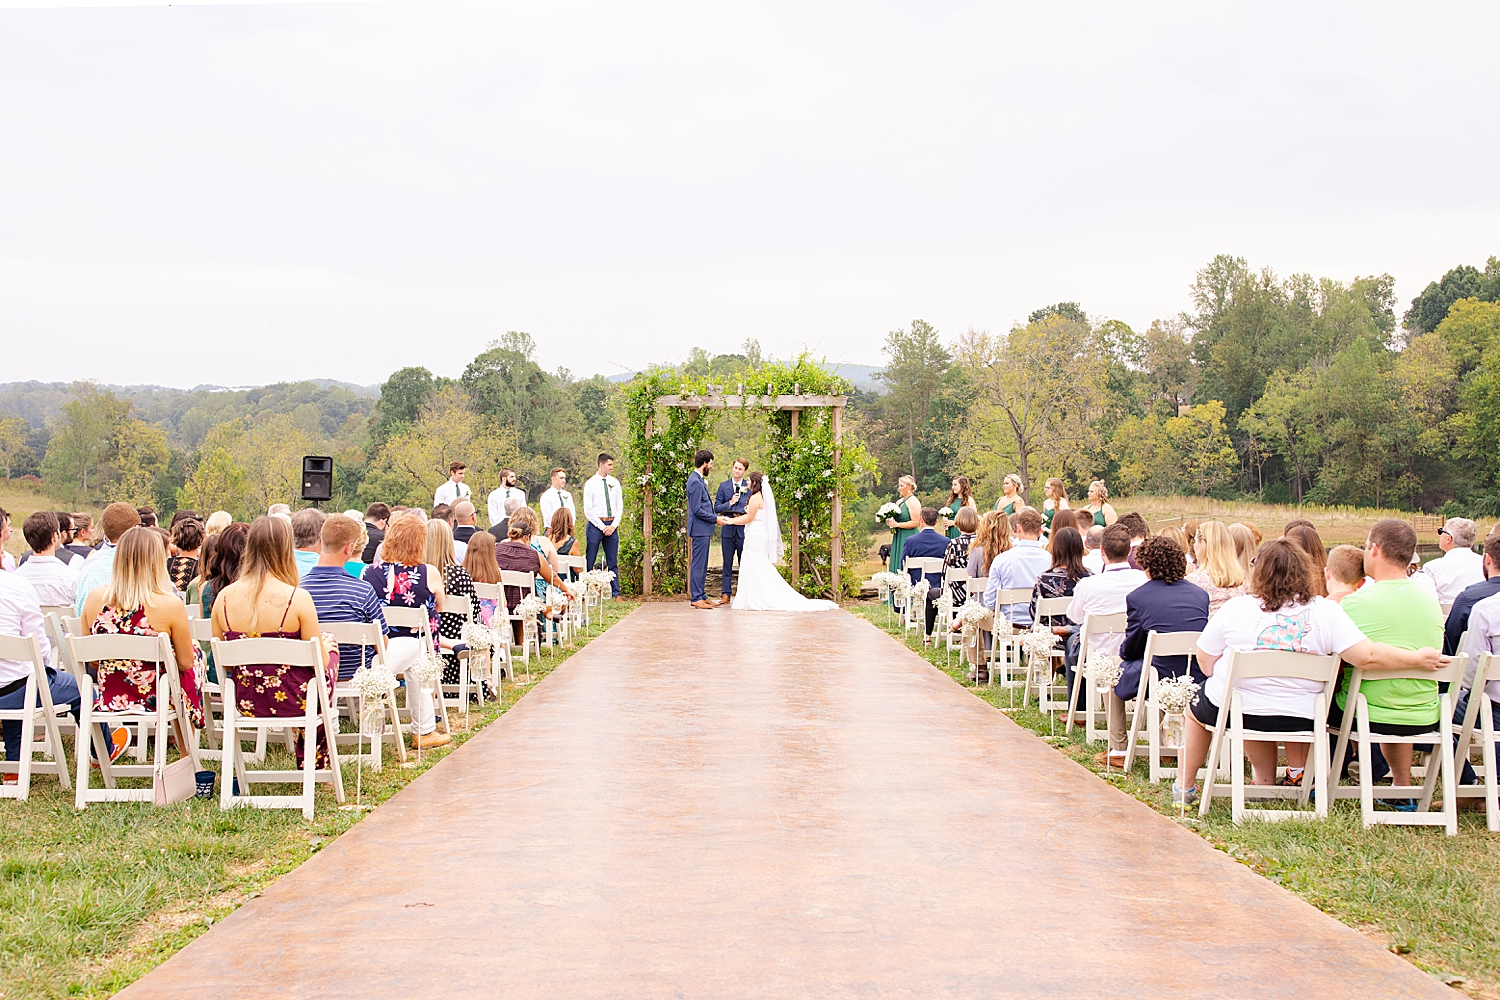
point(730, 501)
point(507, 490)
point(555, 496)
point(603, 502)
point(454, 489)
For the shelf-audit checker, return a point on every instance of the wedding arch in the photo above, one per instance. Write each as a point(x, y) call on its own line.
point(812, 465)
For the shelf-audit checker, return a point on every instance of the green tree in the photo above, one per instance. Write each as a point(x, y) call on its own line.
point(1067, 310)
point(1201, 443)
point(402, 397)
point(217, 481)
point(917, 373)
point(1471, 327)
point(1463, 282)
point(413, 463)
point(507, 384)
point(14, 433)
point(77, 464)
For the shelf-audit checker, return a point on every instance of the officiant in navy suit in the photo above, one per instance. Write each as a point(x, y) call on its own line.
point(730, 501)
point(701, 523)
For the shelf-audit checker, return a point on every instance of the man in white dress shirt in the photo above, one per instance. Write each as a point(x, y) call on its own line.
point(56, 582)
point(603, 503)
point(1104, 594)
point(454, 489)
point(506, 490)
point(556, 496)
point(1459, 566)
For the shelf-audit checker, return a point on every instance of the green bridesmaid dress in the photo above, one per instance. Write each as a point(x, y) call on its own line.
point(900, 535)
point(1009, 507)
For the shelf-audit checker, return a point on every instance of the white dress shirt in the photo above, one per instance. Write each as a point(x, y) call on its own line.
point(497, 500)
point(1453, 571)
point(1482, 636)
point(593, 500)
point(553, 498)
point(450, 493)
point(1093, 561)
point(56, 582)
point(21, 614)
point(1104, 594)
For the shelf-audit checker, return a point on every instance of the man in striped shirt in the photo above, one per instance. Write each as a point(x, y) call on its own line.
point(340, 597)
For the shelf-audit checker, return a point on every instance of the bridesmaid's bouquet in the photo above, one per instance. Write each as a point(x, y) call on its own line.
point(886, 510)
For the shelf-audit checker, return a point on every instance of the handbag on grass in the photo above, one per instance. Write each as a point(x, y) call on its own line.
point(174, 782)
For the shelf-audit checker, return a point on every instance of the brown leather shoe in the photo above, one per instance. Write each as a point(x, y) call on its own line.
point(703, 605)
point(432, 739)
point(719, 602)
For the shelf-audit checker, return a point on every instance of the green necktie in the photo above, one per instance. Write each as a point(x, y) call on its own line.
point(609, 510)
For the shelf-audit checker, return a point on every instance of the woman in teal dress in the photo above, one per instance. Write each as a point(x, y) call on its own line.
point(1057, 499)
point(1104, 515)
point(1011, 499)
point(959, 497)
point(905, 522)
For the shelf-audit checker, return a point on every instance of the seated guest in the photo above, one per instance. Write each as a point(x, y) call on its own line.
point(1066, 570)
point(1093, 559)
point(457, 587)
point(307, 535)
point(187, 540)
point(1139, 532)
point(1459, 566)
point(479, 563)
point(217, 522)
point(82, 544)
point(1103, 594)
point(1308, 539)
point(224, 566)
point(1463, 604)
point(55, 582)
point(1065, 518)
point(65, 530)
point(992, 538)
point(1245, 544)
point(957, 556)
point(266, 602)
point(339, 597)
point(443, 512)
point(1017, 568)
point(501, 530)
point(1345, 573)
point(1280, 612)
point(116, 520)
point(21, 615)
point(148, 516)
point(377, 519)
point(138, 600)
point(560, 532)
point(1166, 602)
point(406, 579)
point(1218, 571)
point(463, 528)
point(516, 555)
point(1391, 609)
point(279, 510)
point(1179, 536)
point(926, 543)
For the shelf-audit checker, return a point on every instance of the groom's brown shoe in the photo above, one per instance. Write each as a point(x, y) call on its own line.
point(719, 602)
point(703, 605)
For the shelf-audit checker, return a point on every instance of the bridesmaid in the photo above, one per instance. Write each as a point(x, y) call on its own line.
point(1057, 499)
point(1011, 499)
point(1099, 506)
point(907, 521)
point(961, 495)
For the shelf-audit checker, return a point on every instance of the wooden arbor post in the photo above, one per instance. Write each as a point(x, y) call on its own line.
point(796, 523)
point(646, 513)
point(836, 540)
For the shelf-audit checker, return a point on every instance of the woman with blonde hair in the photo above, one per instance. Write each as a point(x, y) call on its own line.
point(406, 579)
point(138, 600)
point(907, 521)
point(217, 522)
point(1012, 497)
point(1219, 570)
point(458, 587)
point(1057, 499)
point(1099, 507)
point(1244, 546)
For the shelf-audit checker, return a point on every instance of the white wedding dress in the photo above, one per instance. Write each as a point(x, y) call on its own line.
point(761, 586)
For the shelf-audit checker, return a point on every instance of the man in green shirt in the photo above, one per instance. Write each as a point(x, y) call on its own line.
point(1394, 610)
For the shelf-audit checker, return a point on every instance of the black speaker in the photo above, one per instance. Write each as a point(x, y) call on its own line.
point(317, 477)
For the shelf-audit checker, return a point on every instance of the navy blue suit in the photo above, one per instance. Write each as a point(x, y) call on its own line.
point(1458, 616)
point(925, 544)
point(1158, 606)
point(731, 536)
point(701, 523)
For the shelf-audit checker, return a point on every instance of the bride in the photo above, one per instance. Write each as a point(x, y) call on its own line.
point(761, 585)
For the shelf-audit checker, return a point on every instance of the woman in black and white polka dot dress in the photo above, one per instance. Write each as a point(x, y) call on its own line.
point(456, 583)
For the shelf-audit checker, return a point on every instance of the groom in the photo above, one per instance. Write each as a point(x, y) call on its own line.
point(730, 501)
point(701, 523)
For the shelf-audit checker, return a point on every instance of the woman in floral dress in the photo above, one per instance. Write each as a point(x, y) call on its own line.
point(406, 580)
point(138, 600)
point(266, 603)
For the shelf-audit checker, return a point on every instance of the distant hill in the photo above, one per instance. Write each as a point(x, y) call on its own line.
point(862, 376)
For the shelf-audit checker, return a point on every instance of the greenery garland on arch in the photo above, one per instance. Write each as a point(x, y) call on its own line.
point(801, 467)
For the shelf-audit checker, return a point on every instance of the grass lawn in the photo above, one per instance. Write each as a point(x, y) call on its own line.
point(92, 900)
point(1431, 898)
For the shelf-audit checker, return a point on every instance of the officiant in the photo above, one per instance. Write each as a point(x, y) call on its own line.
point(730, 501)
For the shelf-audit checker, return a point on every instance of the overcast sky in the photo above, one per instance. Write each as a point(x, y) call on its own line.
point(243, 194)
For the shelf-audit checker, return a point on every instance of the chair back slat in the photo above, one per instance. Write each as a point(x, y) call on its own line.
point(1488, 669)
point(1244, 663)
point(1170, 644)
point(288, 652)
point(487, 591)
point(93, 648)
point(60, 609)
point(1016, 595)
point(976, 586)
point(572, 562)
point(399, 617)
point(20, 647)
point(354, 633)
point(517, 578)
point(202, 629)
point(1053, 605)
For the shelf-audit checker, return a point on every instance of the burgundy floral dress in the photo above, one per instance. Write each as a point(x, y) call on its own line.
point(127, 684)
point(275, 689)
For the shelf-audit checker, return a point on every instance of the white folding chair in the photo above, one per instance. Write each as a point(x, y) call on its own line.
point(500, 664)
point(417, 621)
point(1480, 712)
point(530, 636)
point(1040, 673)
point(573, 567)
point(366, 635)
point(1006, 666)
point(931, 568)
point(1146, 710)
point(943, 631)
point(155, 649)
point(37, 710)
point(1095, 628)
point(61, 610)
point(458, 604)
point(1440, 738)
point(229, 656)
point(1242, 665)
